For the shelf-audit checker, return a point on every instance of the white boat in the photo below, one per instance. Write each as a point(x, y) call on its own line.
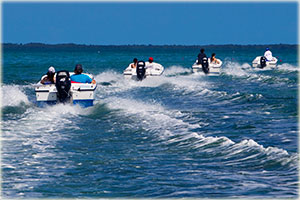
point(261, 62)
point(143, 70)
point(214, 68)
point(78, 93)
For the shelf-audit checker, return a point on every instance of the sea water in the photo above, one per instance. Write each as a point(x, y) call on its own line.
point(180, 135)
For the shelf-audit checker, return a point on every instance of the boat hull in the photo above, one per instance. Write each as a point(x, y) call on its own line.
point(269, 64)
point(80, 94)
point(155, 70)
point(214, 69)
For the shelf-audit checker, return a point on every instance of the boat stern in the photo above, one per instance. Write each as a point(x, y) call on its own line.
point(46, 94)
point(83, 94)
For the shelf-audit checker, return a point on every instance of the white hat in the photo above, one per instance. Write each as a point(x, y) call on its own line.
point(51, 69)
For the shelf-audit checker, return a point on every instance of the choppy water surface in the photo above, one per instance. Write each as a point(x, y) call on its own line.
point(181, 135)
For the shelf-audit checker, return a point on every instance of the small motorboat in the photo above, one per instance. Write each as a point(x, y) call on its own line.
point(262, 62)
point(213, 68)
point(143, 70)
point(63, 91)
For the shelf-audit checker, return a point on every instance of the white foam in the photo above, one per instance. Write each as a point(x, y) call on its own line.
point(174, 70)
point(167, 123)
point(108, 76)
point(43, 123)
point(287, 67)
point(247, 145)
point(193, 83)
point(12, 95)
point(170, 128)
point(244, 71)
point(236, 69)
point(252, 74)
point(40, 129)
point(117, 83)
point(224, 141)
point(153, 116)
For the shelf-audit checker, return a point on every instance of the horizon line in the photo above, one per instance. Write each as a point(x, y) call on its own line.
point(78, 44)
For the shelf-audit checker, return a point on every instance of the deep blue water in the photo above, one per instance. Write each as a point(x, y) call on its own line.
point(182, 135)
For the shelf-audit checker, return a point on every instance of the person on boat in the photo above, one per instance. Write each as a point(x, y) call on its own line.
point(150, 63)
point(268, 54)
point(134, 64)
point(153, 65)
point(150, 60)
point(49, 78)
point(201, 55)
point(78, 77)
point(213, 59)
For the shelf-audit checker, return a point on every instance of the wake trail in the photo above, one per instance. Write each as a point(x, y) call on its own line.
point(171, 128)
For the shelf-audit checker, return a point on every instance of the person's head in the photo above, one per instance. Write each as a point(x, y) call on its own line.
point(51, 70)
point(202, 50)
point(267, 49)
point(213, 55)
point(78, 69)
point(150, 60)
point(50, 73)
point(135, 60)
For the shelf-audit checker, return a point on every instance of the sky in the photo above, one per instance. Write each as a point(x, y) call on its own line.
point(156, 23)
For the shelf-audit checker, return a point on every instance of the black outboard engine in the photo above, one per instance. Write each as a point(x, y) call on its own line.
point(63, 85)
point(140, 70)
point(263, 62)
point(205, 66)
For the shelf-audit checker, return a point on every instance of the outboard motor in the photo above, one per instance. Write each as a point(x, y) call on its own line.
point(263, 62)
point(63, 85)
point(140, 70)
point(205, 65)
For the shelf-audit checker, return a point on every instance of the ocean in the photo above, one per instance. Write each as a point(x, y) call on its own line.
point(181, 135)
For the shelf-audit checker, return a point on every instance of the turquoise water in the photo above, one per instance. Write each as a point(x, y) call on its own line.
point(182, 135)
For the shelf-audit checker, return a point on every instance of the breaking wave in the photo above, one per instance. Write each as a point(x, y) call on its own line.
point(13, 95)
point(172, 128)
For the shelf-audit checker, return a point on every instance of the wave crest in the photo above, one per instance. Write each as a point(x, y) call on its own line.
point(13, 95)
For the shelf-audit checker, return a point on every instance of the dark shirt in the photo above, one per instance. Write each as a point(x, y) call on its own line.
point(200, 57)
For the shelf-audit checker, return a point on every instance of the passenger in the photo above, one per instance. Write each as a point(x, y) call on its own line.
point(150, 60)
point(78, 77)
point(213, 59)
point(153, 65)
point(201, 55)
point(268, 54)
point(134, 64)
point(49, 78)
point(150, 63)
